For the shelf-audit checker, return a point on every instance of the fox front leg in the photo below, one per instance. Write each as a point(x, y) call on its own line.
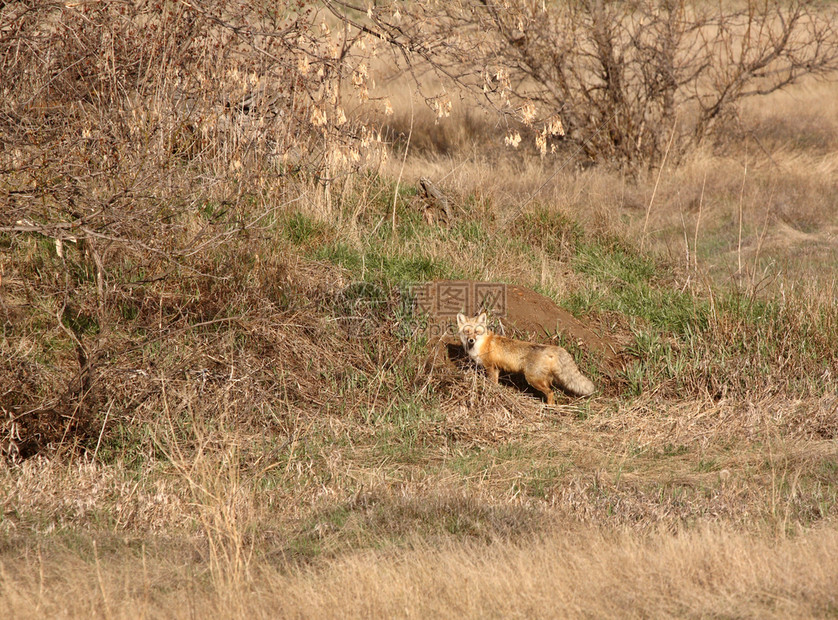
point(493, 372)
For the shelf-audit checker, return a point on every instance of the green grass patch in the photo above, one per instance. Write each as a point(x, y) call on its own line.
point(375, 264)
point(627, 282)
point(302, 230)
point(558, 235)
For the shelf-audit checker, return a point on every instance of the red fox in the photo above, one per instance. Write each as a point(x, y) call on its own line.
point(540, 364)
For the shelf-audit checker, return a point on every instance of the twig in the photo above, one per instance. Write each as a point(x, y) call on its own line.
point(401, 170)
point(698, 221)
point(655, 189)
point(741, 200)
point(102, 432)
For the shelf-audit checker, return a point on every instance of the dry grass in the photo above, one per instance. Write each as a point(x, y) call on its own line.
point(574, 572)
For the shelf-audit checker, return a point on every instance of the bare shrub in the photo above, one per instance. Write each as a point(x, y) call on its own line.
point(138, 138)
point(623, 81)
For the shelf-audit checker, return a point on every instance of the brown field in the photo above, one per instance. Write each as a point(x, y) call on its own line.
point(218, 403)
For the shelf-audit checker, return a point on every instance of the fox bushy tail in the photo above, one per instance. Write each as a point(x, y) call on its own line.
point(571, 379)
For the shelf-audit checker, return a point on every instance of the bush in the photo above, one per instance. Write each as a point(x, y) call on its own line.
point(140, 139)
point(624, 81)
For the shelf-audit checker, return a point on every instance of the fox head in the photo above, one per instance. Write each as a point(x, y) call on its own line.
point(472, 331)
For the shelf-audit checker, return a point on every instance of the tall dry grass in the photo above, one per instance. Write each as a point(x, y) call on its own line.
point(711, 571)
point(772, 170)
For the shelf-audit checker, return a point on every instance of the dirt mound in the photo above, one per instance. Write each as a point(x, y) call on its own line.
point(535, 315)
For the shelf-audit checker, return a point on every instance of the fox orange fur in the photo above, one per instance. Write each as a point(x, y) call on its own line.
point(541, 364)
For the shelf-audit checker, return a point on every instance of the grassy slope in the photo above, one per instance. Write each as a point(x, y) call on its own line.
point(270, 453)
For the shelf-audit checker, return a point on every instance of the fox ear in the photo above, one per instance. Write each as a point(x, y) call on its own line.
point(482, 318)
point(461, 319)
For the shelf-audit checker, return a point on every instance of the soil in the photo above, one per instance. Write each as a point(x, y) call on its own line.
point(535, 315)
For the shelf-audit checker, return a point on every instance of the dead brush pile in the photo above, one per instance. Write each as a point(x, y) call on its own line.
point(145, 145)
point(255, 345)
